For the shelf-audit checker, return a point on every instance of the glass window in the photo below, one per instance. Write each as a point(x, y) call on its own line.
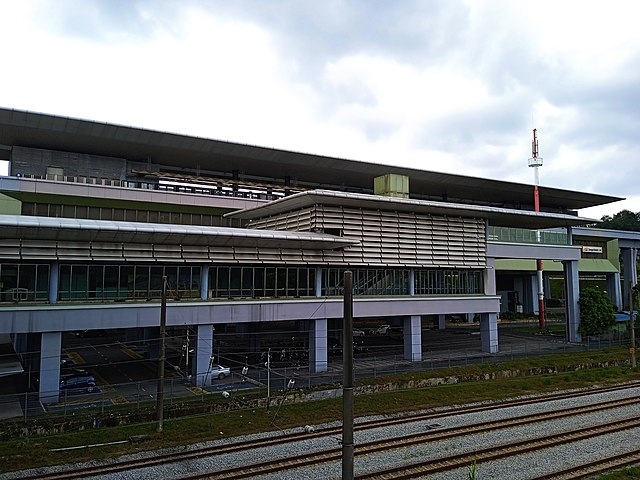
point(155, 282)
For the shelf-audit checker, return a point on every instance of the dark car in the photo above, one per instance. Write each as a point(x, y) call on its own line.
point(78, 383)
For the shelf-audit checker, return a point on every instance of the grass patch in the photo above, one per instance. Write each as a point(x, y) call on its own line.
point(632, 473)
point(33, 451)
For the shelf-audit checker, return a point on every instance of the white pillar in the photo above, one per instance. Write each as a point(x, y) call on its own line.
point(318, 281)
point(630, 272)
point(489, 332)
point(204, 282)
point(318, 350)
point(572, 293)
point(534, 288)
point(470, 317)
point(54, 274)
point(489, 277)
point(441, 322)
point(50, 347)
point(412, 282)
point(202, 358)
point(613, 289)
point(413, 338)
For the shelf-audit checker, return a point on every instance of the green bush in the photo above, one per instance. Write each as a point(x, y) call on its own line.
point(596, 311)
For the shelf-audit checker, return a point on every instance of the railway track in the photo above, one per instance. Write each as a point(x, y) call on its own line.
point(243, 446)
point(602, 465)
point(421, 469)
point(436, 435)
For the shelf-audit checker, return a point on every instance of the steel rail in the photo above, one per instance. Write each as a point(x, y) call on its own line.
point(194, 454)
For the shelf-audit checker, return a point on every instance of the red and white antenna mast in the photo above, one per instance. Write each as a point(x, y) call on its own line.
point(536, 162)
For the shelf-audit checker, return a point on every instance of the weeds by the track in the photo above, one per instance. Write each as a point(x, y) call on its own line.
point(33, 451)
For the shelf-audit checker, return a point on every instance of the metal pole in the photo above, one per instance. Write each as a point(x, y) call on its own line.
point(268, 377)
point(347, 385)
point(535, 162)
point(633, 327)
point(163, 326)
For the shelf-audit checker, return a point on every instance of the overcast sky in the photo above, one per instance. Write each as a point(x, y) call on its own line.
point(450, 86)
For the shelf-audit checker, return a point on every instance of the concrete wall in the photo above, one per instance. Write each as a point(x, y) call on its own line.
point(34, 161)
point(56, 318)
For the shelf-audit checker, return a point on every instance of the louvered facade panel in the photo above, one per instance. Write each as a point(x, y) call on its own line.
point(10, 249)
point(167, 252)
point(292, 256)
point(270, 255)
point(195, 253)
point(73, 251)
point(136, 251)
point(391, 238)
point(318, 258)
point(30, 250)
point(106, 251)
point(221, 255)
point(245, 255)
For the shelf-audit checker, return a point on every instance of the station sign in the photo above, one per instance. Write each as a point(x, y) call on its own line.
point(591, 249)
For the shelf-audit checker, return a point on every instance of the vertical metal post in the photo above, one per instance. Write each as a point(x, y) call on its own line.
point(268, 377)
point(633, 327)
point(536, 162)
point(347, 385)
point(163, 327)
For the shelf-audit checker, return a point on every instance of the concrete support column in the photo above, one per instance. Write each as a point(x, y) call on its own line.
point(151, 338)
point(318, 281)
point(202, 358)
point(572, 293)
point(613, 289)
point(441, 321)
point(546, 282)
point(204, 282)
point(54, 275)
point(413, 338)
point(489, 277)
point(470, 317)
point(412, 282)
point(19, 342)
point(629, 256)
point(489, 332)
point(133, 335)
point(318, 350)
point(50, 347)
point(531, 285)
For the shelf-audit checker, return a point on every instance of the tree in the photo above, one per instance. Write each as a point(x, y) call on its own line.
point(596, 311)
point(623, 220)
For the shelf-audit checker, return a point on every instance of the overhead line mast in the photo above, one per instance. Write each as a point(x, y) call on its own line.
point(536, 162)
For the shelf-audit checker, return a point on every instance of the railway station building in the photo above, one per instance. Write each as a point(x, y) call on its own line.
point(93, 215)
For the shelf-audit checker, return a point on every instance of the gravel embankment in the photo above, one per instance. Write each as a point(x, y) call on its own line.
point(520, 468)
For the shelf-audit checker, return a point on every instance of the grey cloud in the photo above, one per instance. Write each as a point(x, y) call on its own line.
point(104, 20)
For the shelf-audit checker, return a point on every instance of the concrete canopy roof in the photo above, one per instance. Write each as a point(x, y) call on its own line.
point(65, 229)
point(38, 130)
point(496, 216)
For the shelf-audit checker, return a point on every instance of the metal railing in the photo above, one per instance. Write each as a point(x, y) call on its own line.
point(522, 235)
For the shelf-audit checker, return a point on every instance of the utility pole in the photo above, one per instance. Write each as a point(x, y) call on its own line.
point(347, 380)
point(268, 365)
point(163, 327)
point(632, 320)
point(536, 162)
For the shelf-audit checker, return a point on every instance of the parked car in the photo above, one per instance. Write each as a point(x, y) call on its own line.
point(358, 333)
point(90, 333)
point(382, 330)
point(624, 316)
point(78, 382)
point(219, 371)
point(68, 372)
